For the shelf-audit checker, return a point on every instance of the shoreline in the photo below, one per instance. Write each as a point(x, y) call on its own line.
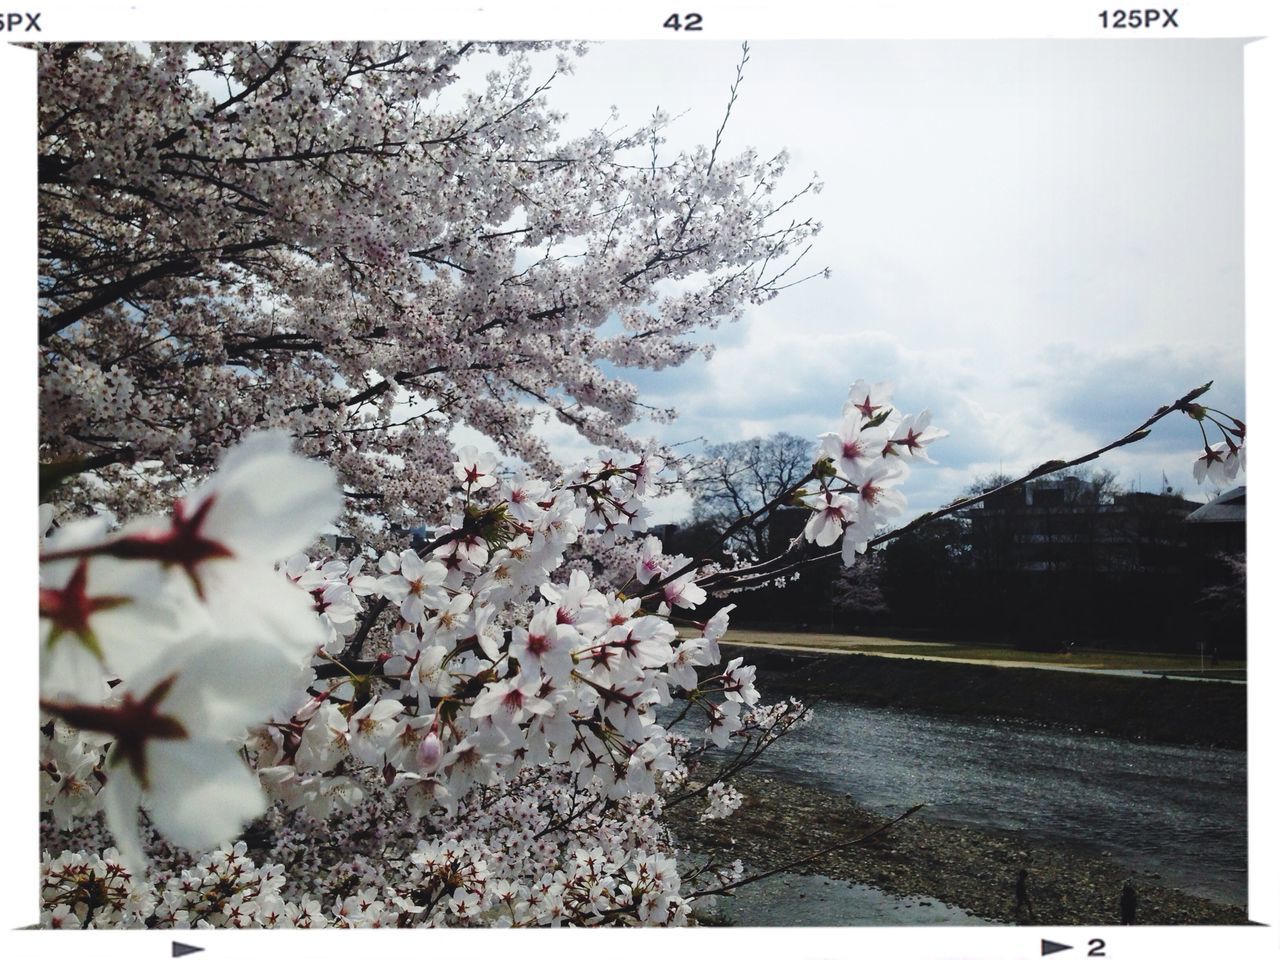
point(963, 867)
point(1203, 714)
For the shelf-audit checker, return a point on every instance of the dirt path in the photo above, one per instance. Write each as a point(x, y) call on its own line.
point(871, 643)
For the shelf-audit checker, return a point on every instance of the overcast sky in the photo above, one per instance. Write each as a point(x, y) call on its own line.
point(1040, 241)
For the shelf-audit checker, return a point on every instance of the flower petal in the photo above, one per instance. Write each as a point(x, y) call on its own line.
point(202, 794)
point(270, 501)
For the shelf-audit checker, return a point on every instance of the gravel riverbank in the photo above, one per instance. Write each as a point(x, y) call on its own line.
point(960, 866)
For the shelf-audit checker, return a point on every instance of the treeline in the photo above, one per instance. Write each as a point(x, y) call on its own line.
point(1073, 561)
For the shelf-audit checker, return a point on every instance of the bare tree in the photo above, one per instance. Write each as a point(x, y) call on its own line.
point(737, 479)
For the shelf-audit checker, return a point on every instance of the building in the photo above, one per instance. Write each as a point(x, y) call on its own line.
point(1062, 524)
point(1219, 526)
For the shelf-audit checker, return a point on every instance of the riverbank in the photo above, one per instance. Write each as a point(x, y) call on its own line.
point(1137, 708)
point(969, 869)
point(978, 650)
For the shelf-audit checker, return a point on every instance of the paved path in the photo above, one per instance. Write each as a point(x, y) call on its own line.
point(1017, 664)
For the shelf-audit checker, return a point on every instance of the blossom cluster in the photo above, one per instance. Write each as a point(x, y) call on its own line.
point(174, 649)
point(488, 665)
point(526, 852)
point(865, 462)
point(366, 245)
point(1224, 460)
point(167, 638)
point(502, 860)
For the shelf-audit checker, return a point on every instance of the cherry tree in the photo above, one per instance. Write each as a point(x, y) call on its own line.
point(347, 242)
point(274, 277)
point(501, 722)
point(339, 251)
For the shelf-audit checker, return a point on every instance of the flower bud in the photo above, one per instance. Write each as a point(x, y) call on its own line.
point(824, 468)
point(429, 753)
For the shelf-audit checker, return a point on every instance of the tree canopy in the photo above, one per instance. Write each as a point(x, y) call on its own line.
point(340, 240)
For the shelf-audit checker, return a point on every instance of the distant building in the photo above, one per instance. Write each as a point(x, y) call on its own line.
point(1055, 524)
point(1050, 565)
point(1136, 569)
point(1219, 525)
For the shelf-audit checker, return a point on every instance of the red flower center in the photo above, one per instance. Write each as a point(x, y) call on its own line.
point(70, 608)
point(182, 545)
point(538, 644)
point(131, 725)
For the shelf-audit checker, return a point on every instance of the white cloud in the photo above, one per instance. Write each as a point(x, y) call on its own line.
point(1011, 242)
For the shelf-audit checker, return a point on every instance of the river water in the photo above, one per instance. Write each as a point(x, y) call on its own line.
point(1175, 811)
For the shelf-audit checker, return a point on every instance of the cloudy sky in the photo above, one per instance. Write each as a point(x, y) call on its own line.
point(1040, 241)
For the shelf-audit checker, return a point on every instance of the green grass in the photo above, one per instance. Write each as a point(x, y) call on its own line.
point(1089, 659)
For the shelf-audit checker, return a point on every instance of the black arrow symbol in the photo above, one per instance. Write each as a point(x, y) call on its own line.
point(182, 949)
point(1048, 946)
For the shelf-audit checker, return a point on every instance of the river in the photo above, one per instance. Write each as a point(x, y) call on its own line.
point(1175, 811)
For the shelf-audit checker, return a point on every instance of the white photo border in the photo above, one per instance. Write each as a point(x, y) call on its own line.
point(510, 19)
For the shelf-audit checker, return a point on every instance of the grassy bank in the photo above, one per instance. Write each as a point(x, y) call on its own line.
point(1081, 659)
point(1168, 711)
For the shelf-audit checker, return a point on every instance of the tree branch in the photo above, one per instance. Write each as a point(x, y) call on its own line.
point(109, 293)
point(1049, 466)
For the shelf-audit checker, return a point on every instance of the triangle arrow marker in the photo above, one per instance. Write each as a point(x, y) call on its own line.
point(182, 949)
point(1048, 946)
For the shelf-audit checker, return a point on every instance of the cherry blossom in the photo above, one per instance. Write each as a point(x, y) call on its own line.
point(102, 618)
point(739, 683)
point(878, 500)
point(914, 434)
point(416, 587)
point(1212, 465)
point(868, 401)
point(722, 801)
point(857, 535)
point(854, 446)
point(175, 729)
point(68, 785)
point(684, 590)
point(544, 646)
point(430, 752)
point(831, 511)
point(323, 741)
point(522, 497)
point(475, 470)
point(372, 728)
point(714, 629)
point(650, 562)
point(262, 504)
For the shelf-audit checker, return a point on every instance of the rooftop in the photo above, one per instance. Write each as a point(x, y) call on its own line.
point(1226, 508)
